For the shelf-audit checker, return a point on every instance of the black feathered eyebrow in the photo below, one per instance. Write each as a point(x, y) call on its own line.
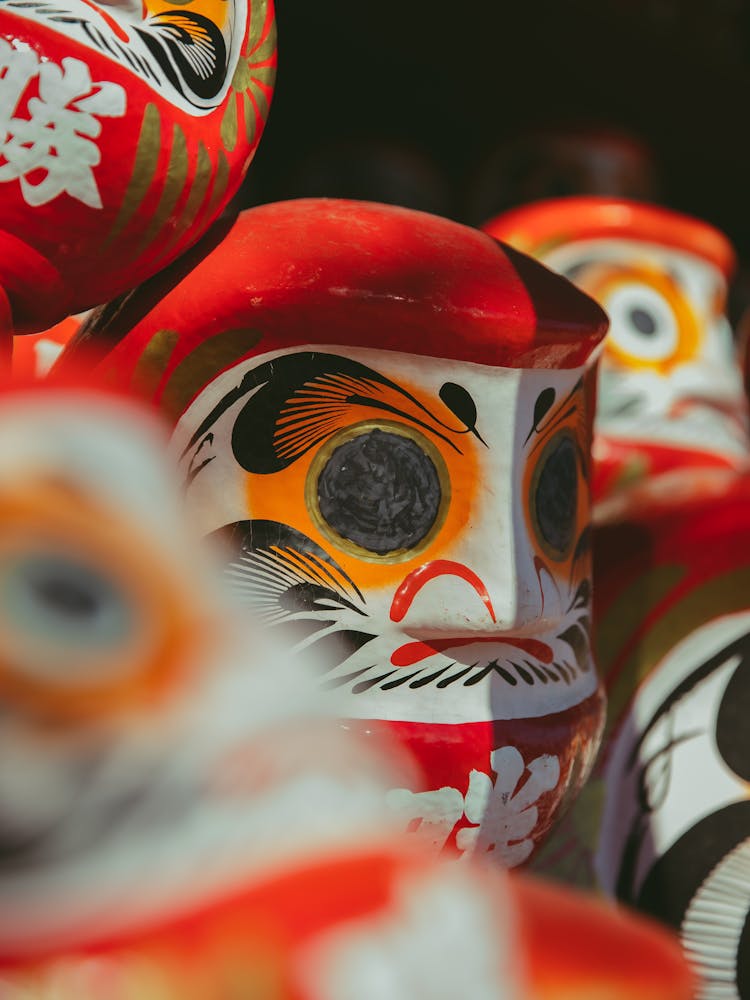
point(298, 396)
point(246, 385)
point(545, 421)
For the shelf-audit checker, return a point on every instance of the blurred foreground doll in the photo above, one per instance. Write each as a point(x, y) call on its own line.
point(126, 129)
point(385, 416)
point(177, 821)
point(665, 823)
point(36, 353)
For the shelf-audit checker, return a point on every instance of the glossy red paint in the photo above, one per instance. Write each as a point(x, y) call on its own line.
point(337, 272)
point(263, 937)
point(538, 228)
point(155, 175)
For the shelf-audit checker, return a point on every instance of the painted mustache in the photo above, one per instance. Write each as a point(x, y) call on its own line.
point(292, 583)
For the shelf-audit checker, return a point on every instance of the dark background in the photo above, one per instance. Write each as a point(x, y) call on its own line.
point(447, 83)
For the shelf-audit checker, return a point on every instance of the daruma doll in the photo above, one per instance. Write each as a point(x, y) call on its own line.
point(670, 390)
point(386, 417)
point(664, 824)
point(126, 129)
point(179, 818)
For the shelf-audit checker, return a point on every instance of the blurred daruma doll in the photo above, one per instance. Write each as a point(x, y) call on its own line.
point(178, 816)
point(385, 414)
point(670, 390)
point(126, 128)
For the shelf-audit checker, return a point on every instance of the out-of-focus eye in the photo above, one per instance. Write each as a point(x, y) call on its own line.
point(554, 496)
point(643, 323)
point(64, 604)
point(92, 618)
point(379, 490)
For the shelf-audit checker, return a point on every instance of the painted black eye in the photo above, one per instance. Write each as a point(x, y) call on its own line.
point(554, 496)
point(381, 491)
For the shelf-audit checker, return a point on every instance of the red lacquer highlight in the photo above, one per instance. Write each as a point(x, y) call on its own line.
point(438, 567)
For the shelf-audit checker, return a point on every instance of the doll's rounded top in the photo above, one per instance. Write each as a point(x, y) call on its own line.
point(541, 226)
point(324, 271)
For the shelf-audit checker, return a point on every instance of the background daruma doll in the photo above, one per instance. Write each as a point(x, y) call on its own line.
point(670, 390)
point(126, 128)
point(385, 414)
point(664, 823)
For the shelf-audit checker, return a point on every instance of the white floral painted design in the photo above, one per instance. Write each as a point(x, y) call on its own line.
point(504, 811)
point(506, 814)
point(409, 952)
point(49, 146)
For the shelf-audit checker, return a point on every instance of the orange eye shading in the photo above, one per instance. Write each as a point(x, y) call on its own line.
point(215, 10)
point(426, 491)
point(652, 323)
point(92, 620)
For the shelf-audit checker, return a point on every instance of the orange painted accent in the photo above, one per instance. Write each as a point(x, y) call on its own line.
point(49, 517)
point(578, 948)
point(538, 228)
point(417, 579)
point(215, 10)
point(280, 496)
point(602, 280)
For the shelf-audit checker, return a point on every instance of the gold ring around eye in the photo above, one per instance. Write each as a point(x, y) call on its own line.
point(320, 461)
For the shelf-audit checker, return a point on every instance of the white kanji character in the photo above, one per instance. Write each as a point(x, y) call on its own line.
point(17, 68)
point(506, 819)
point(435, 812)
point(55, 139)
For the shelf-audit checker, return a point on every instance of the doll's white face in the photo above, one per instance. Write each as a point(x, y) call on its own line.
point(668, 374)
point(154, 749)
point(422, 524)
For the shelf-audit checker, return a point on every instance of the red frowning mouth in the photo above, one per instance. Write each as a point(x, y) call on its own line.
point(412, 652)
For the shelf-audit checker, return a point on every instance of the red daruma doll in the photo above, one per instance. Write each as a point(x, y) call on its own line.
point(664, 824)
point(126, 128)
point(671, 394)
point(385, 415)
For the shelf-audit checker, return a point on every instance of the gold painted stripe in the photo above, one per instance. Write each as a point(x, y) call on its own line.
point(259, 20)
point(249, 111)
point(200, 367)
point(195, 199)
point(144, 168)
point(260, 98)
point(221, 179)
point(241, 79)
point(228, 130)
point(173, 186)
point(153, 362)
